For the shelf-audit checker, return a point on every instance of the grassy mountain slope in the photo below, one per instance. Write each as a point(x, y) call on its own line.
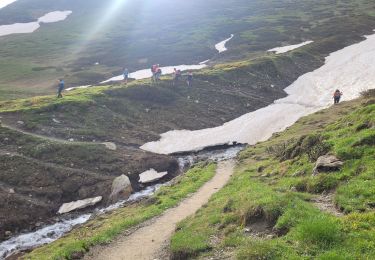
point(129, 116)
point(139, 33)
point(274, 208)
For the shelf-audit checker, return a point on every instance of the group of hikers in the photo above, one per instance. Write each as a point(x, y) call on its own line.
point(177, 75)
point(157, 72)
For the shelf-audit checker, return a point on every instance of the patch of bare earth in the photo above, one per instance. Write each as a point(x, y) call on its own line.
point(325, 202)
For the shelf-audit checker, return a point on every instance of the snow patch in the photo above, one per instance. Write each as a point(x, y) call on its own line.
point(151, 176)
point(220, 47)
point(21, 28)
point(4, 3)
point(146, 73)
point(285, 49)
point(351, 70)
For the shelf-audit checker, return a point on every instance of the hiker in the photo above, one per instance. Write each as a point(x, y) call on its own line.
point(158, 73)
point(337, 96)
point(189, 79)
point(126, 75)
point(176, 76)
point(61, 88)
point(153, 71)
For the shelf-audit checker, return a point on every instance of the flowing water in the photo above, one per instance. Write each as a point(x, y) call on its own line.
point(50, 233)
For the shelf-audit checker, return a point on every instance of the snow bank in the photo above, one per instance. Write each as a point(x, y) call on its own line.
point(284, 49)
point(220, 47)
point(146, 73)
point(4, 3)
point(351, 70)
point(18, 28)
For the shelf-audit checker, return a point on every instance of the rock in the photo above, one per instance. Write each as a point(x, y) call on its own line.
point(12, 191)
point(38, 224)
point(79, 204)
point(121, 188)
point(151, 176)
point(327, 163)
point(110, 146)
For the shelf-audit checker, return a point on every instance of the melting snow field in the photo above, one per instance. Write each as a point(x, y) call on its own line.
point(220, 47)
point(146, 73)
point(18, 28)
point(4, 3)
point(285, 49)
point(351, 70)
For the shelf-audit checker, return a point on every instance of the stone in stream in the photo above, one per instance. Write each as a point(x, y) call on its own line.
point(121, 188)
point(151, 176)
point(327, 163)
point(79, 204)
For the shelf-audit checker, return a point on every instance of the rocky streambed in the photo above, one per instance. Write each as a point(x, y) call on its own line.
point(70, 218)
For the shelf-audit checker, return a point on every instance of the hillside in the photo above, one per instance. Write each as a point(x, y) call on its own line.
point(272, 208)
point(36, 131)
point(99, 140)
point(126, 33)
point(276, 207)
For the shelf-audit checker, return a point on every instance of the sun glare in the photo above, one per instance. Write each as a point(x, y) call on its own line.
point(114, 7)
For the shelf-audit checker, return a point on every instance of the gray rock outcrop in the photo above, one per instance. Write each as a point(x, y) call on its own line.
point(327, 163)
point(121, 188)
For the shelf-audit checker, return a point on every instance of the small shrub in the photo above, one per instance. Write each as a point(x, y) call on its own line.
point(322, 182)
point(322, 231)
point(312, 145)
point(259, 250)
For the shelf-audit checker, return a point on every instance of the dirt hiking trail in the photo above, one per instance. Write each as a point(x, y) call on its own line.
point(148, 242)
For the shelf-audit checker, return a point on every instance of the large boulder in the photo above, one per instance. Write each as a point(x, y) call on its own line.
point(327, 163)
point(121, 188)
point(79, 204)
point(151, 176)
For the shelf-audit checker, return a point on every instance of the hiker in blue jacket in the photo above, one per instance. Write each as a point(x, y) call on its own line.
point(61, 88)
point(126, 75)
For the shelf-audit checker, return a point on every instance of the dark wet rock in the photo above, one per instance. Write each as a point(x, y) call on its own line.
point(327, 163)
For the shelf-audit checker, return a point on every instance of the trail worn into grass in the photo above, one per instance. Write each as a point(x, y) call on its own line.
point(108, 145)
point(147, 242)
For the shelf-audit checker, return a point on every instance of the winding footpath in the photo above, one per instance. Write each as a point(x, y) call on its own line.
point(109, 145)
point(148, 242)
